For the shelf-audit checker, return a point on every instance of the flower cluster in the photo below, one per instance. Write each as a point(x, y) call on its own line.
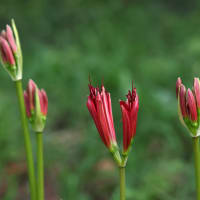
point(36, 103)
point(189, 106)
point(99, 106)
point(11, 56)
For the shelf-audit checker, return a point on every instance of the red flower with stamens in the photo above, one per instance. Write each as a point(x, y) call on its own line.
point(99, 106)
point(129, 109)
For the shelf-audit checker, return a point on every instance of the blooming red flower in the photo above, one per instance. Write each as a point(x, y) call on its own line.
point(129, 109)
point(36, 103)
point(99, 106)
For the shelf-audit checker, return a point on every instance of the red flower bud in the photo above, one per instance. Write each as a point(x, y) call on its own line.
point(6, 52)
point(191, 106)
point(197, 91)
point(178, 84)
point(129, 109)
point(11, 54)
point(36, 103)
point(99, 106)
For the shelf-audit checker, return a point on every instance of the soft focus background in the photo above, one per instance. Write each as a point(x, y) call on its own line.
point(150, 42)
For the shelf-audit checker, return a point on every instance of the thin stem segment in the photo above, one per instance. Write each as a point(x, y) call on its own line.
point(197, 164)
point(122, 183)
point(27, 140)
point(40, 167)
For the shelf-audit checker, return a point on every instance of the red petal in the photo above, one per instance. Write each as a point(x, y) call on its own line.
point(31, 93)
point(10, 38)
point(191, 103)
point(6, 51)
point(197, 91)
point(92, 109)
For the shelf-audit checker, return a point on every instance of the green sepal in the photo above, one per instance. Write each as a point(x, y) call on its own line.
point(18, 54)
point(191, 126)
point(115, 153)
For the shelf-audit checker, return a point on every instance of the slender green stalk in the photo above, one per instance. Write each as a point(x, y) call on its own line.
point(40, 167)
point(197, 164)
point(27, 141)
point(122, 183)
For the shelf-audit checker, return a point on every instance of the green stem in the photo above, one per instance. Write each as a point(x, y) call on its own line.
point(27, 140)
point(197, 164)
point(40, 167)
point(122, 183)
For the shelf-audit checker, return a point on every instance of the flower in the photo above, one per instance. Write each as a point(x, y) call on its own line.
point(189, 106)
point(36, 103)
point(10, 50)
point(99, 106)
point(129, 109)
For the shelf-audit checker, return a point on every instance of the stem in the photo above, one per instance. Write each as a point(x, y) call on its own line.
point(40, 167)
point(197, 164)
point(122, 183)
point(27, 140)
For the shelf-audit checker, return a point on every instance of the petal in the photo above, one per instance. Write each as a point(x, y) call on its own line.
point(103, 121)
point(10, 38)
point(31, 93)
point(182, 100)
point(6, 52)
point(191, 103)
point(44, 99)
point(197, 91)
point(92, 109)
point(126, 127)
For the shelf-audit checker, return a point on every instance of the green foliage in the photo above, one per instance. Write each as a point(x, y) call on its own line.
point(65, 42)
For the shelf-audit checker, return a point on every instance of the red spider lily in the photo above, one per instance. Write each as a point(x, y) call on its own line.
point(99, 106)
point(129, 109)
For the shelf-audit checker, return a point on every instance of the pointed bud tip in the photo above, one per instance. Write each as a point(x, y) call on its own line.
point(178, 84)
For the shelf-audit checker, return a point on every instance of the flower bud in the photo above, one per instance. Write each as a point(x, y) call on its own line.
point(129, 109)
point(11, 55)
point(187, 107)
point(36, 103)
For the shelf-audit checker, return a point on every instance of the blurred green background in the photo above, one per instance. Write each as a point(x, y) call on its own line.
point(150, 42)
